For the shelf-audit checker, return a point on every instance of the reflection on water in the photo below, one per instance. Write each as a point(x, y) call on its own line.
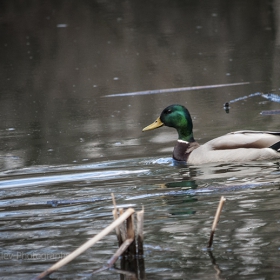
point(54, 217)
point(57, 60)
point(64, 147)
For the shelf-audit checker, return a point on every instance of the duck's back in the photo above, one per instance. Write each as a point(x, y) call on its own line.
point(239, 146)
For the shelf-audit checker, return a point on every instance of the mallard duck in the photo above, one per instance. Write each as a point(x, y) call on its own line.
point(239, 146)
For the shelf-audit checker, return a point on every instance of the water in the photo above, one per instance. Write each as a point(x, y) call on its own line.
point(43, 221)
point(64, 147)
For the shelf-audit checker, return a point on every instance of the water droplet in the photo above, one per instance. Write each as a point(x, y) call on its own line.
point(61, 25)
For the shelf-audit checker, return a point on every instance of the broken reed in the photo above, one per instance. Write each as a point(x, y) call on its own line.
point(86, 245)
point(126, 238)
point(126, 231)
point(216, 220)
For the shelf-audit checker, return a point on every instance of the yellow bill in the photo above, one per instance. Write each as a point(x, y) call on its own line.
point(157, 123)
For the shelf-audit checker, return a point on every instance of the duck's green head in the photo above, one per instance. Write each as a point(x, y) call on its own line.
point(176, 116)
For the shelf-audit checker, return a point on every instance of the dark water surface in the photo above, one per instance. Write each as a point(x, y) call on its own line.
point(62, 139)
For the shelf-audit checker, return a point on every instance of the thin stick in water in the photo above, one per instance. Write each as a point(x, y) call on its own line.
point(131, 234)
point(119, 252)
point(122, 227)
point(115, 215)
point(114, 200)
point(216, 220)
point(140, 234)
point(115, 257)
point(117, 229)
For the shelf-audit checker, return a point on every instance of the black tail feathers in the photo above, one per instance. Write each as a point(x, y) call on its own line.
point(276, 147)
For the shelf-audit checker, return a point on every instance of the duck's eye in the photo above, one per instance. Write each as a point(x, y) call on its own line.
point(168, 111)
